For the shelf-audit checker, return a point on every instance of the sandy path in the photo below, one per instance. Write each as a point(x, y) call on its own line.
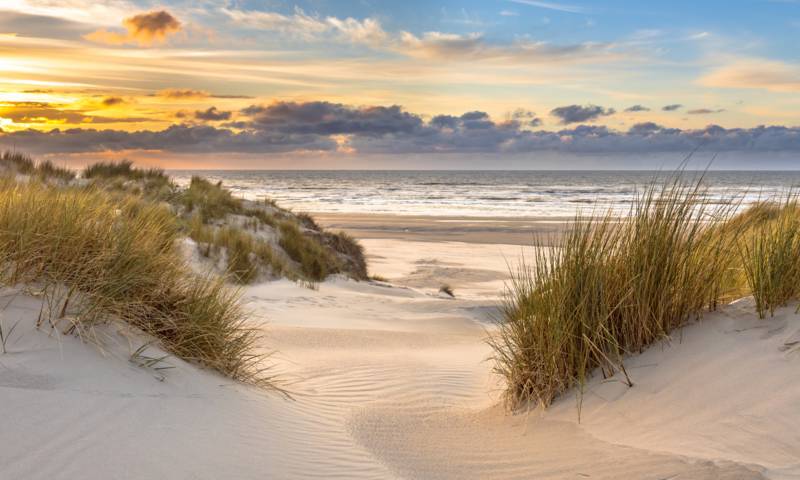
point(392, 382)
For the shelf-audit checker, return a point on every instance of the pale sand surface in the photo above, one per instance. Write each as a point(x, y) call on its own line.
point(391, 381)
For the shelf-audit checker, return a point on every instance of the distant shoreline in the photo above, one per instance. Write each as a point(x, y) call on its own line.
point(425, 228)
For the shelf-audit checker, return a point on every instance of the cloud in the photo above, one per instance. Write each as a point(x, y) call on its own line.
point(474, 46)
point(671, 107)
point(325, 118)
point(508, 13)
point(367, 31)
point(112, 101)
point(705, 111)
point(578, 113)
point(525, 117)
point(760, 74)
point(212, 114)
point(191, 94)
point(428, 45)
point(312, 27)
point(40, 112)
point(143, 29)
point(552, 6)
point(40, 25)
point(637, 108)
point(298, 127)
point(181, 93)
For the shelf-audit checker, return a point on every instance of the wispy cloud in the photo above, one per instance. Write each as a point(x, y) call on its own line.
point(306, 26)
point(771, 75)
point(705, 111)
point(552, 6)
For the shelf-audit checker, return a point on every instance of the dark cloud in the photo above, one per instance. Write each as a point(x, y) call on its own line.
point(325, 118)
point(637, 108)
point(177, 138)
point(152, 25)
point(111, 101)
point(645, 128)
point(212, 114)
point(525, 117)
point(315, 126)
point(705, 111)
point(145, 29)
point(580, 113)
point(444, 121)
point(671, 108)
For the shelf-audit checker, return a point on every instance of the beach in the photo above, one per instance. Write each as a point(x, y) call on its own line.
point(392, 379)
point(377, 240)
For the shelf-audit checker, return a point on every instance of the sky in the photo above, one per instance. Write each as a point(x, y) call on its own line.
point(413, 84)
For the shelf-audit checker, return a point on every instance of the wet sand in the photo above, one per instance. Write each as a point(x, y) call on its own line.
point(500, 230)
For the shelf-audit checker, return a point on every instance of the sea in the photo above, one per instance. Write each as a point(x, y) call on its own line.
point(481, 193)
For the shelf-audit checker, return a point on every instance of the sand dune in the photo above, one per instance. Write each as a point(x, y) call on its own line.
point(392, 382)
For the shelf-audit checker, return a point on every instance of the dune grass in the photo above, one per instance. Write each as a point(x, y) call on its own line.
point(245, 255)
point(122, 177)
point(315, 261)
point(351, 252)
point(47, 169)
point(23, 164)
point(208, 214)
point(96, 257)
point(211, 200)
point(124, 169)
point(19, 161)
point(770, 254)
point(611, 287)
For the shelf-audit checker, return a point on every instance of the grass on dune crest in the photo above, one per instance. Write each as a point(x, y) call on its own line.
point(770, 254)
point(208, 210)
point(123, 168)
point(45, 170)
point(611, 287)
point(211, 200)
point(96, 256)
point(245, 254)
point(123, 177)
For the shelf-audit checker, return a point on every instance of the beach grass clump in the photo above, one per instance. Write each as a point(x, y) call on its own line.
point(245, 255)
point(315, 261)
point(770, 255)
point(350, 251)
point(611, 287)
point(21, 163)
point(98, 257)
point(260, 217)
point(47, 170)
point(211, 200)
point(123, 177)
point(18, 161)
point(123, 169)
